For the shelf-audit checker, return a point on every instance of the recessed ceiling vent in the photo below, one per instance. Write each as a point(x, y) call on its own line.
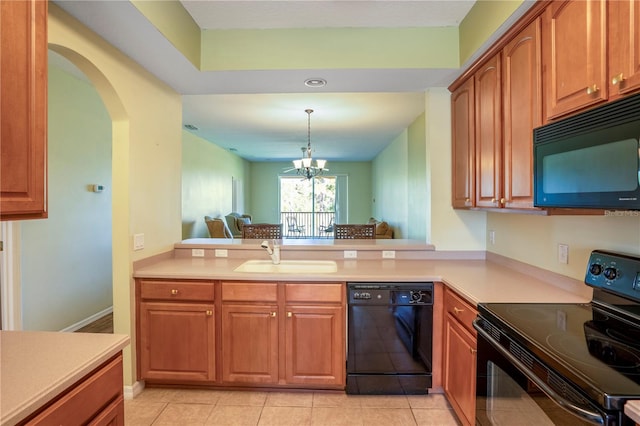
point(190, 127)
point(315, 82)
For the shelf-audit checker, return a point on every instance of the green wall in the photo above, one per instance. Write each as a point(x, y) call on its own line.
point(66, 259)
point(264, 189)
point(207, 175)
point(390, 176)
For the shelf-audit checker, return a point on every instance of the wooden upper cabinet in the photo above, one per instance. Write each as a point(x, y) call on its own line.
point(488, 141)
point(23, 109)
point(522, 104)
point(574, 49)
point(624, 47)
point(463, 136)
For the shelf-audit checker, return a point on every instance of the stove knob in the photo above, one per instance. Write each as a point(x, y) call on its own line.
point(595, 269)
point(610, 273)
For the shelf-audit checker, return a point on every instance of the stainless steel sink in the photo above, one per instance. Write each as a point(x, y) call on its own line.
point(289, 267)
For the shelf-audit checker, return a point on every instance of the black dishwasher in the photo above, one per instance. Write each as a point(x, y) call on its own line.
point(389, 338)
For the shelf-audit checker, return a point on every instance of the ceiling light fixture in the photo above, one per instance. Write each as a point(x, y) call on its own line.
point(306, 166)
point(315, 82)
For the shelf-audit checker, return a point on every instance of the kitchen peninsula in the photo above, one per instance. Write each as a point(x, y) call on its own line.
point(477, 276)
point(52, 377)
point(251, 328)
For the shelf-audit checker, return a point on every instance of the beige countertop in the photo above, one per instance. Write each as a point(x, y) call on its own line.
point(476, 280)
point(36, 366)
point(632, 410)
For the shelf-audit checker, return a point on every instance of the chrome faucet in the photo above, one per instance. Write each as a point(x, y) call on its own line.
point(273, 250)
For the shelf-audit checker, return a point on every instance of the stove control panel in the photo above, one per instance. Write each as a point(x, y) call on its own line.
point(615, 272)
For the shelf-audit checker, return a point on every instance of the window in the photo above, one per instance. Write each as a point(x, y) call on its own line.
point(308, 206)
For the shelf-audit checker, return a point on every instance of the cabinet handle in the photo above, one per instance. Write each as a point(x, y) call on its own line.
point(617, 79)
point(273, 314)
point(592, 89)
point(473, 351)
point(289, 314)
point(503, 201)
point(458, 311)
point(493, 200)
point(174, 291)
point(209, 312)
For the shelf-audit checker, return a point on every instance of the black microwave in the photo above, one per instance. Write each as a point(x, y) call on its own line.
point(590, 160)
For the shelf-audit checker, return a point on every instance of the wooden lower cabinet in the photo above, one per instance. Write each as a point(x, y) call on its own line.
point(177, 341)
point(96, 400)
point(250, 343)
point(176, 330)
point(284, 334)
point(314, 339)
point(459, 358)
point(241, 333)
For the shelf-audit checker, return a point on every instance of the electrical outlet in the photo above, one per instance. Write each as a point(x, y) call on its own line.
point(350, 254)
point(197, 252)
point(388, 254)
point(138, 241)
point(492, 236)
point(563, 253)
point(221, 253)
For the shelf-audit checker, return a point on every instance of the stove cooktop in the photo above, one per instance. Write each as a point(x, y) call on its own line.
point(596, 346)
point(584, 344)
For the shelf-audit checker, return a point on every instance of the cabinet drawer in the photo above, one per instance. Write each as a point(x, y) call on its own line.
point(87, 399)
point(459, 309)
point(249, 292)
point(176, 290)
point(332, 292)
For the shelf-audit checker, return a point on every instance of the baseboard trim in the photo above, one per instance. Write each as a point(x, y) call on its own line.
point(134, 390)
point(88, 320)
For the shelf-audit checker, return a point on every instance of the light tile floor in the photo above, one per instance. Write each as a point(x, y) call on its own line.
point(219, 407)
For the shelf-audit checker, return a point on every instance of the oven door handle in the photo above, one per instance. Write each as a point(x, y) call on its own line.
point(590, 416)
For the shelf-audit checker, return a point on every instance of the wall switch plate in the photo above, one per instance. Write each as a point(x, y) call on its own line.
point(221, 253)
point(350, 254)
point(138, 241)
point(563, 253)
point(492, 236)
point(197, 252)
point(388, 254)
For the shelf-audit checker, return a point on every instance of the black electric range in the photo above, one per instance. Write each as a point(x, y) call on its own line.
point(583, 357)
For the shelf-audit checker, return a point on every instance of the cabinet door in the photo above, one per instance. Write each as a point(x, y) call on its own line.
point(574, 49)
point(315, 345)
point(177, 341)
point(23, 109)
point(488, 152)
point(522, 103)
point(624, 47)
point(249, 343)
point(463, 136)
point(460, 370)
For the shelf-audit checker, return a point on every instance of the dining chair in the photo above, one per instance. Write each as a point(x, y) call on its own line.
point(353, 232)
point(266, 231)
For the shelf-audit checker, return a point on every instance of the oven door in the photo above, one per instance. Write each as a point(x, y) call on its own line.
point(508, 392)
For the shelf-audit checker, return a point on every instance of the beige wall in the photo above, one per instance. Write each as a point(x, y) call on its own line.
point(534, 239)
point(66, 259)
point(448, 229)
point(207, 175)
point(146, 151)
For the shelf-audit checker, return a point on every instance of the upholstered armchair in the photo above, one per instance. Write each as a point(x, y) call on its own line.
point(383, 230)
point(217, 228)
point(235, 221)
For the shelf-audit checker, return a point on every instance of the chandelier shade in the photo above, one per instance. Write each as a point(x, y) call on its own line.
point(307, 167)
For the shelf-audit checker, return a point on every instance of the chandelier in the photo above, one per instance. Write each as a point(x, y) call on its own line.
point(307, 166)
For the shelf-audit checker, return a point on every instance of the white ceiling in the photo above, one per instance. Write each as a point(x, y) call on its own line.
point(260, 114)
